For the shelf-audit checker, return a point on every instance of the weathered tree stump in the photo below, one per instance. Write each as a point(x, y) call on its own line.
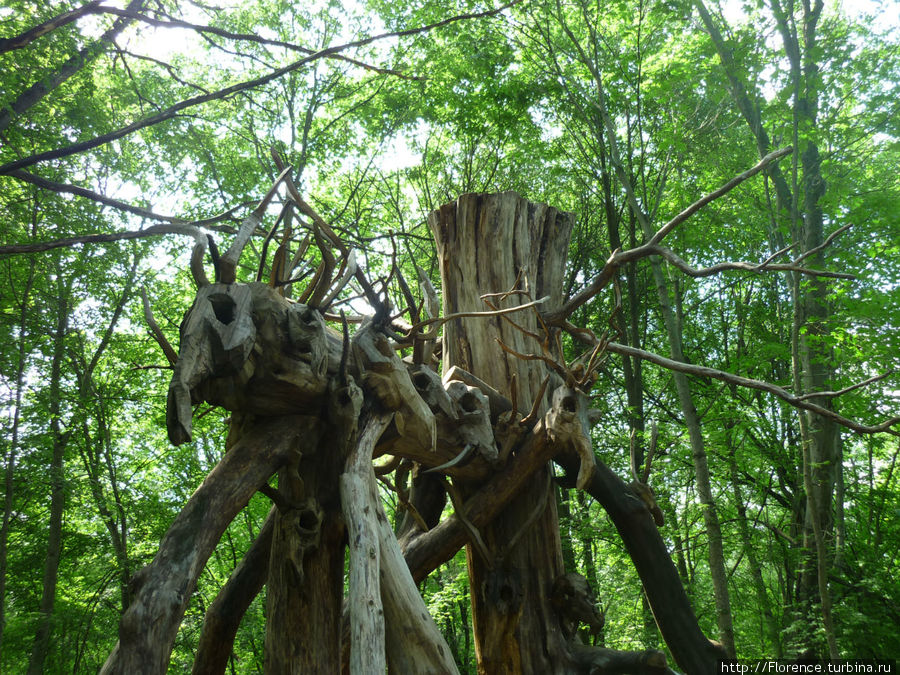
point(493, 244)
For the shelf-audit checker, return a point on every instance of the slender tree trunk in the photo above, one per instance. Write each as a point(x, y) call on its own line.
point(701, 465)
point(692, 421)
point(489, 244)
point(811, 359)
point(759, 587)
point(10, 459)
point(565, 534)
point(57, 486)
point(91, 460)
point(840, 525)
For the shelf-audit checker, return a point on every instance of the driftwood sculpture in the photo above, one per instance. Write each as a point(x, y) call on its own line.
point(313, 404)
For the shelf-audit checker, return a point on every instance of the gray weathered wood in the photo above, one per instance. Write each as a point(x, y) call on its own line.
point(359, 502)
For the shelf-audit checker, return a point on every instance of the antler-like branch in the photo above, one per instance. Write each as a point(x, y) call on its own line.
point(441, 320)
point(371, 296)
point(228, 262)
point(652, 247)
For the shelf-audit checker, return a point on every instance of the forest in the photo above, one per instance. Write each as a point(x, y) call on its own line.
point(554, 336)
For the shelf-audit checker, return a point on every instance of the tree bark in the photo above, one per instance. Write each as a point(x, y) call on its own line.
point(306, 567)
point(493, 244)
point(390, 626)
point(359, 497)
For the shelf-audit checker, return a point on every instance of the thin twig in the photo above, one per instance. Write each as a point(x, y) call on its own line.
point(775, 255)
point(441, 320)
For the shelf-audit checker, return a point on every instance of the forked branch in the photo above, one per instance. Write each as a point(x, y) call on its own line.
point(652, 247)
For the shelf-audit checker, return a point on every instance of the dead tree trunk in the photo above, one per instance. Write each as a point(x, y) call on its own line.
point(493, 244)
point(306, 565)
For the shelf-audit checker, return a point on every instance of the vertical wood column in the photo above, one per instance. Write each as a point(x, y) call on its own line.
point(485, 242)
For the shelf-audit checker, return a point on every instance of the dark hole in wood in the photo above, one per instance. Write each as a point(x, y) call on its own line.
point(569, 404)
point(469, 402)
point(223, 307)
point(420, 381)
point(308, 521)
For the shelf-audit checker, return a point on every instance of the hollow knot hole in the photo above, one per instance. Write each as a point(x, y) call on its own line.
point(223, 307)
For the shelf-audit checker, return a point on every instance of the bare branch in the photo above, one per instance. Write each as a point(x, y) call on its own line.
point(64, 188)
point(739, 380)
point(152, 231)
point(441, 320)
point(673, 258)
point(825, 244)
point(715, 194)
point(248, 37)
point(619, 258)
point(775, 255)
point(556, 367)
point(846, 390)
point(371, 296)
